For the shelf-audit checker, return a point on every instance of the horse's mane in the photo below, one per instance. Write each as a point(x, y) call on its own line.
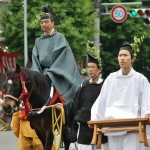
point(36, 83)
point(35, 77)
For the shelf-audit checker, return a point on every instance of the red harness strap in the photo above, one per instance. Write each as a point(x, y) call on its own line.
point(24, 114)
point(24, 97)
point(56, 95)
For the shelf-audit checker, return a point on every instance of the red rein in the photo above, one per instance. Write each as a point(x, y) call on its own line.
point(24, 97)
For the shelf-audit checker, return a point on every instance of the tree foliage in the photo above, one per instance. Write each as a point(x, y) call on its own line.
point(77, 23)
point(114, 34)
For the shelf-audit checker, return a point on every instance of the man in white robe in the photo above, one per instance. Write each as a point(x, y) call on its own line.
point(125, 94)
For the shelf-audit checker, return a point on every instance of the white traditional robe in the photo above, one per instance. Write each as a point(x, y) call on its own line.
point(122, 96)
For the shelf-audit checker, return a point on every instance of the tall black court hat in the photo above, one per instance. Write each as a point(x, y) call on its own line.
point(126, 46)
point(92, 59)
point(48, 13)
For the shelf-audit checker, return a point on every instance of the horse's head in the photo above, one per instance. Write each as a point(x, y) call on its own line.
point(24, 86)
point(13, 86)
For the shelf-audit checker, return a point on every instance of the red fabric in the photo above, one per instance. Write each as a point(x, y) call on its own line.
point(53, 98)
point(62, 100)
point(23, 114)
point(56, 95)
point(8, 60)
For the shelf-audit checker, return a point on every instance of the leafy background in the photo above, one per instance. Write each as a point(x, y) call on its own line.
point(77, 24)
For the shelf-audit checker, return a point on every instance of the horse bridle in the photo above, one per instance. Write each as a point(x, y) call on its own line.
point(24, 96)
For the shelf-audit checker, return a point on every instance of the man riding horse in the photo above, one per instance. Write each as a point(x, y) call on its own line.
point(53, 63)
point(53, 57)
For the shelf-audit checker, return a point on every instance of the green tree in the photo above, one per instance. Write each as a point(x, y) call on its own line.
point(114, 34)
point(77, 21)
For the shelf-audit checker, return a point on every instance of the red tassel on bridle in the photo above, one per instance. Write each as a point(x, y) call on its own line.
point(24, 97)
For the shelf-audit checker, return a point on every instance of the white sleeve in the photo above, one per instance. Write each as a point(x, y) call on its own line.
point(95, 114)
point(98, 108)
point(145, 97)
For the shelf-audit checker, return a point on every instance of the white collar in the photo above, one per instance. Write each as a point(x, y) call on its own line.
point(119, 74)
point(98, 82)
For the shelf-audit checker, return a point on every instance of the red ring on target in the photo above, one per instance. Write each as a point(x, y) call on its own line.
point(124, 17)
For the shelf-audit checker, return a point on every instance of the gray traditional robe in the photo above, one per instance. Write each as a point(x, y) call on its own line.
point(53, 56)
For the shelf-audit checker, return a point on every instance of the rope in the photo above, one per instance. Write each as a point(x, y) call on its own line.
point(57, 123)
point(5, 125)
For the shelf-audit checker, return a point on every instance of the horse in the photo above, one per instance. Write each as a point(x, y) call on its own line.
point(34, 90)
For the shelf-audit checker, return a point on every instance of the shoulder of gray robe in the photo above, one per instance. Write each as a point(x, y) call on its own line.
point(60, 66)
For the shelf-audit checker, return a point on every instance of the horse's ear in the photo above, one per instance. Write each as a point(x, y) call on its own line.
point(18, 69)
point(5, 69)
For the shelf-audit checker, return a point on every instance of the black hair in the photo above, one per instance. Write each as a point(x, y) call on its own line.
point(126, 46)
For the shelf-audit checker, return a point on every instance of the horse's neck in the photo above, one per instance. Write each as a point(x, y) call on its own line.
point(39, 95)
point(39, 88)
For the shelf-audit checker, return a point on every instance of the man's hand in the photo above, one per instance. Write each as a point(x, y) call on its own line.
point(148, 116)
point(59, 105)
